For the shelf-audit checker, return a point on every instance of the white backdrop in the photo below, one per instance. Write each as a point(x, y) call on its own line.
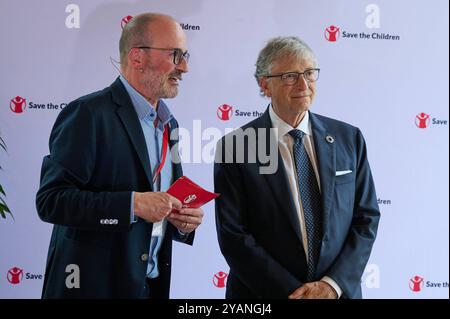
point(55, 51)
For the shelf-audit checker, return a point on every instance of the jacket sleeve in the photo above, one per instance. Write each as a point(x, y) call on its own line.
point(66, 195)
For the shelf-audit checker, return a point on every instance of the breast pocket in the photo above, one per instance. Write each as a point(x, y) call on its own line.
point(345, 178)
point(344, 192)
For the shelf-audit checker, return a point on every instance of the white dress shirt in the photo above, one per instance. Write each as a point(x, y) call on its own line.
point(285, 146)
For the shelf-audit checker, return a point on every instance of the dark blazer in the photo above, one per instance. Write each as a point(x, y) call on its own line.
point(98, 156)
point(258, 227)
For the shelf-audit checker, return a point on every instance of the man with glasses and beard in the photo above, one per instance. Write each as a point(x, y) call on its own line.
point(111, 161)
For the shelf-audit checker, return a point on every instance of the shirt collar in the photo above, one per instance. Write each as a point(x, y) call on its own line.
point(284, 128)
point(144, 109)
point(164, 114)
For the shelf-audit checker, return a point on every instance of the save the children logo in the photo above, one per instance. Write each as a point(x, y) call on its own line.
point(419, 284)
point(224, 112)
point(219, 279)
point(422, 120)
point(332, 33)
point(18, 104)
point(416, 283)
point(372, 16)
point(125, 20)
point(15, 275)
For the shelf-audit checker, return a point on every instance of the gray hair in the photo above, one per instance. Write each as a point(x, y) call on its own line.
point(281, 47)
point(135, 33)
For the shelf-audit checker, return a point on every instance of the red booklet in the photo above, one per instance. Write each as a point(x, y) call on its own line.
point(190, 194)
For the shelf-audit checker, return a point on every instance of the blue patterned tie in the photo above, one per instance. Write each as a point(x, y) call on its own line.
point(310, 197)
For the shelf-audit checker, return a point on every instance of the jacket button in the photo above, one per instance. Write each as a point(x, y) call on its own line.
point(144, 257)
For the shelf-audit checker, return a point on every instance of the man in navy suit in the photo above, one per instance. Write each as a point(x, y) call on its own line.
point(113, 155)
point(306, 228)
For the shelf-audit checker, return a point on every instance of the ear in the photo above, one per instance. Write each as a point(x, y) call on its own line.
point(265, 87)
point(135, 58)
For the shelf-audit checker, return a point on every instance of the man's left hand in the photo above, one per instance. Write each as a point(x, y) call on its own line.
point(186, 219)
point(314, 290)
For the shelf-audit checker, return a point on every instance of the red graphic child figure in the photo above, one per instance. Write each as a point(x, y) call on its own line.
point(416, 283)
point(219, 279)
point(125, 20)
point(17, 104)
point(422, 120)
point(224, 112)
point(331, 33)
point(15, 275)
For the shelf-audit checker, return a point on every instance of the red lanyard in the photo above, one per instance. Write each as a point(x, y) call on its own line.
point(163, 151)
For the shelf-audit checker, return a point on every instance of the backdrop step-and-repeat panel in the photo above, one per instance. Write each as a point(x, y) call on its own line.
point(384, 68)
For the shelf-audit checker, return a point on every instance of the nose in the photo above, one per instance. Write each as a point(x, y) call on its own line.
point(303, 83)
point(183, 66)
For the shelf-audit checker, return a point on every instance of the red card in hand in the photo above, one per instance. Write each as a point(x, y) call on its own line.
point(190, 194)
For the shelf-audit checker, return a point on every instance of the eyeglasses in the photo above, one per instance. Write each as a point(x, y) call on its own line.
point(291, 78)
point(177, 53)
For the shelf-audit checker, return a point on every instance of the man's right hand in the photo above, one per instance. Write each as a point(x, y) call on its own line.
point(315, 290)
point(154, 206)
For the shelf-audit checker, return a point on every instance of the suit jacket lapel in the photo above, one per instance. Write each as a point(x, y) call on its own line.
point(130, 120)
point(173, 143)
point(278, 181)
point(326, 159)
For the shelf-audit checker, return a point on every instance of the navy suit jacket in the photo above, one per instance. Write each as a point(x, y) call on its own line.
point(258, 227)
point(98, 156)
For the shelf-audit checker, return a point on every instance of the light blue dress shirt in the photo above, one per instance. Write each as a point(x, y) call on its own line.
point(153, 139)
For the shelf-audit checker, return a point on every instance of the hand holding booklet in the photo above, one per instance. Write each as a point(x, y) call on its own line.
point(190, 194)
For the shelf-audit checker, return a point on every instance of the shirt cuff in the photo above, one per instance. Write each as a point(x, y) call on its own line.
point(133, 219)
point(334, 285)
